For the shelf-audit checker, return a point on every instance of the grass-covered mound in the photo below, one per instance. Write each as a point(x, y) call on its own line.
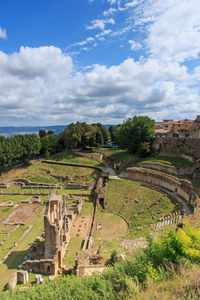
point(70, 157)
point(155, 273)
point(131, 200)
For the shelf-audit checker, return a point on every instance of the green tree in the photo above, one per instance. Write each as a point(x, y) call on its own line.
point(136, 134)
point(113, 132)
point(42, 133)
point(50, 132)
point(49, 143)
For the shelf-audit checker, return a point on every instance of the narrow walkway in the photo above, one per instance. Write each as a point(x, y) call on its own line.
point(110, 171)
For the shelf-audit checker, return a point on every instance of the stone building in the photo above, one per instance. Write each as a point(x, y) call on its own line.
point(182, 128)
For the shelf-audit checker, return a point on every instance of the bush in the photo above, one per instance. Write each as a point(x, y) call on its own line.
point(174, 246)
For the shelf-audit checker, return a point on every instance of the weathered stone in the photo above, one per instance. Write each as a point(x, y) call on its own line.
point(22, 276)
point(13, 281)
point(38, 279)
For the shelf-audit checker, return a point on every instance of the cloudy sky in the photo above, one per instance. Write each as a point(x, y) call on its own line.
point(98, 60)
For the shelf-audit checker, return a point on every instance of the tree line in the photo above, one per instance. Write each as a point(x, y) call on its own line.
point(134, 135)
point(22, 148)
point(83, 135)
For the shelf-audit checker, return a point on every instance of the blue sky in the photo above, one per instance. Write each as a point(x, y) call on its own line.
point(98, 60)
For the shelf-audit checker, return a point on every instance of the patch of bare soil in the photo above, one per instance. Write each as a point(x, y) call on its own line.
point(22, 213)
point(81, 226)
point(111, 227)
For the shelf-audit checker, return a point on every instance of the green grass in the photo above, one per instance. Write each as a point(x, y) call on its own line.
point(69, 157)
point(41, 173)
point(120, 199)
point(87, 209)
point(121, 156)
point(168, 161)
point(11, 264)
point(70, 255)
point(109, 237)
point(2, 236)
point(76, 241)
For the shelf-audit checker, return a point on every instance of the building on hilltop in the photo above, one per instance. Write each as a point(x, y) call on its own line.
point(182, 128)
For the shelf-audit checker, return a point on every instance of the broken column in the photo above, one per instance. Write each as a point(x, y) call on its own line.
point(64, 204)
point(38, 279)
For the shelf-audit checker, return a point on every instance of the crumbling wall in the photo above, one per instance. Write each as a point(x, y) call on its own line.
point(185, 170)
point(44, 266)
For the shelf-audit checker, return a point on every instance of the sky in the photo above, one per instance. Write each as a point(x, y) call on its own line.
point(64, 61)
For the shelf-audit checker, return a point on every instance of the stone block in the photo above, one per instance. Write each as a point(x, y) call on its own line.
point(22, 276)
point(38, 279)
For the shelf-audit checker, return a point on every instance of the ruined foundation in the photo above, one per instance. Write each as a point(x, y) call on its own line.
point(58, 220)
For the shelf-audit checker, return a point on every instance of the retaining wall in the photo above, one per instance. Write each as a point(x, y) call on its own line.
point(178, 146)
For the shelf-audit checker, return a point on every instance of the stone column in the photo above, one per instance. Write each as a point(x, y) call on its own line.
point(64, 204)
point(58, 212)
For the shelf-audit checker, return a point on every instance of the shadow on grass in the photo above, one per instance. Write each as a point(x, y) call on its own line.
point(15, 259)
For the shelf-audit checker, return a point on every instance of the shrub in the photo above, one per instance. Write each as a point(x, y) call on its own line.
point(173, 246)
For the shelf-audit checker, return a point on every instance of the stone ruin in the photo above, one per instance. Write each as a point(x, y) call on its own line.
point(58, 220)
point(88, 262)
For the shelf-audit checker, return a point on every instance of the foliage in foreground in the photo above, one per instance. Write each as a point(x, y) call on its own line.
point(127, 279)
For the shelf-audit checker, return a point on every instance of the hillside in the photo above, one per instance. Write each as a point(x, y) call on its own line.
point(132, 210)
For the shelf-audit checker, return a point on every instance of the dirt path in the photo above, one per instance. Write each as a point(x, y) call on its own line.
point(81, 226)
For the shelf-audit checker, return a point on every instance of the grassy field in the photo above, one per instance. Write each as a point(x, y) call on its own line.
point(113, 228)
point(75, 242)
point(168, 161)
point(121, 156)
point(69, 157)
point(38, 172)
point(41, 173)
point(12, 262)
point(130, 199)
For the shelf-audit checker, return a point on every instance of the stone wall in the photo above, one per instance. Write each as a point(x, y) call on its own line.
point(98, 157)
point(185, 170)
point(181, 187)
point(45, 266)
point(177, 146)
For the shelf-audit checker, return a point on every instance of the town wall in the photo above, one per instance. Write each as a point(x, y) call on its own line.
point(177, 147)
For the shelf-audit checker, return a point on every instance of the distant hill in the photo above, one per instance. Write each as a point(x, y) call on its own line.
point(10, 131)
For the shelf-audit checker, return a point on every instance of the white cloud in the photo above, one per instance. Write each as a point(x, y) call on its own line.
point(133, 3)
point(109, 11)
point(105, 32)
point(3, 34)
point(135, 45)
point(100, 24)
point(40, 86)
point(172, 27)
point(180, 40)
